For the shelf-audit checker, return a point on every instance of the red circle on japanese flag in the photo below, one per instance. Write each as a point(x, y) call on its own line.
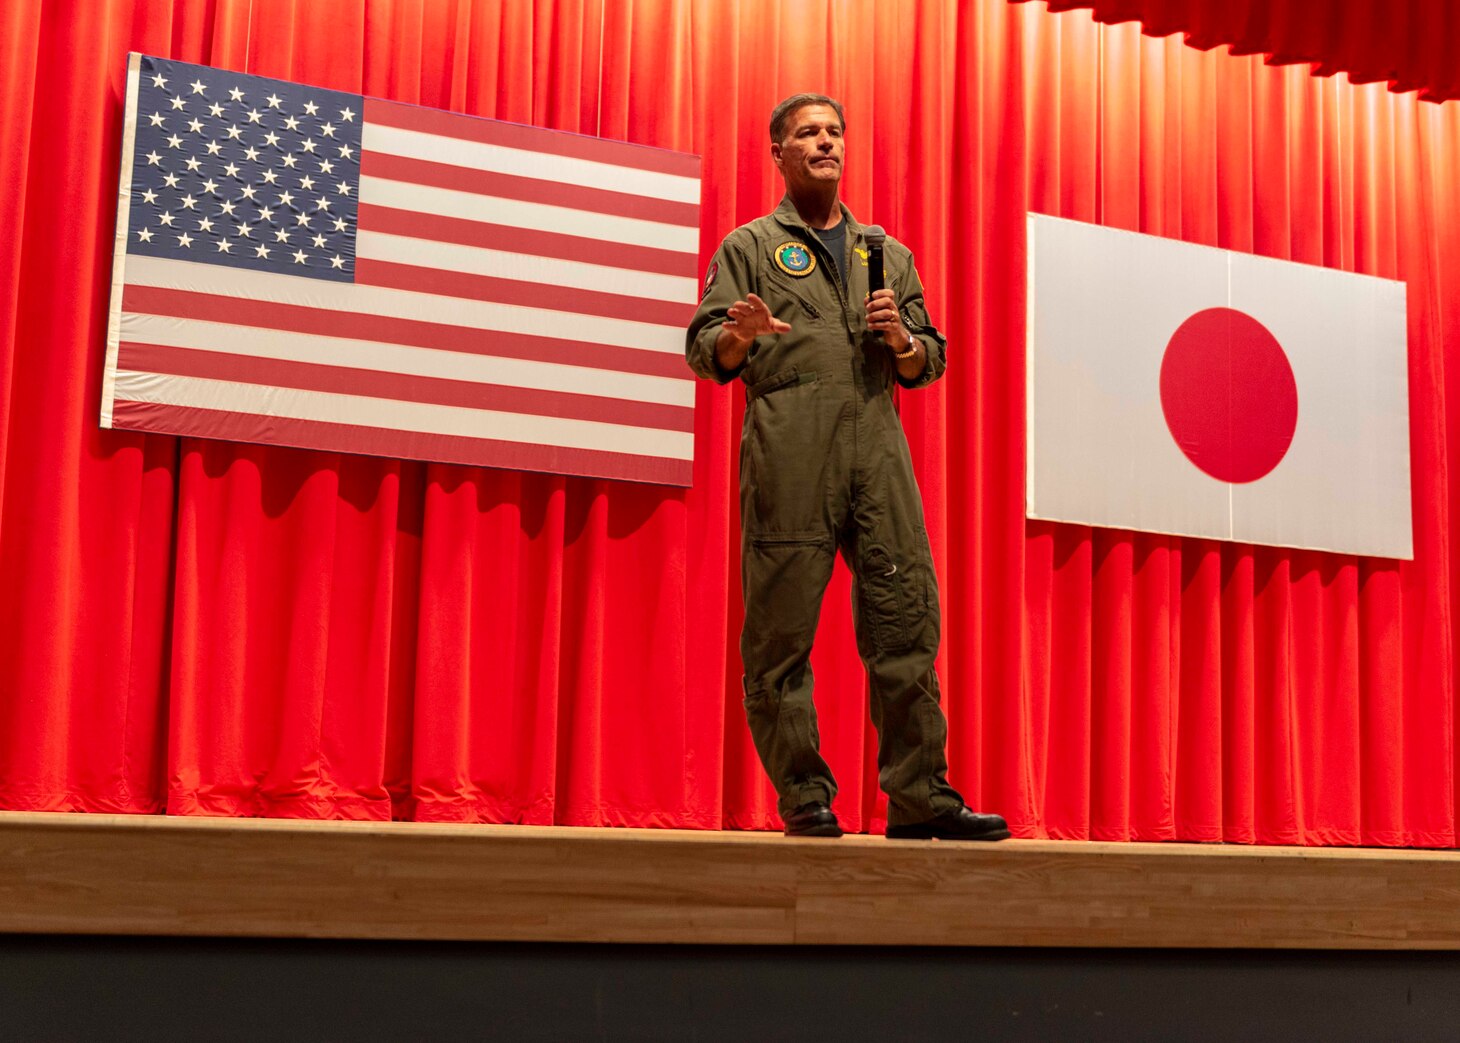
point(1229, 396)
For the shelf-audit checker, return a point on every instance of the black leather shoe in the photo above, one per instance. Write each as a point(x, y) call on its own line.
point(813, 819)
point(959, 824)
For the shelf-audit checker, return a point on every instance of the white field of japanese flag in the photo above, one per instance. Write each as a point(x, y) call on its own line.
point(1194, 391)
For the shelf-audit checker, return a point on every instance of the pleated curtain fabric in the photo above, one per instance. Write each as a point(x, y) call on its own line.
point(1413, 45)
point(210, 628)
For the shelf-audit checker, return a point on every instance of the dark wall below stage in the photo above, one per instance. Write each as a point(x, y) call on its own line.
point(93, 988)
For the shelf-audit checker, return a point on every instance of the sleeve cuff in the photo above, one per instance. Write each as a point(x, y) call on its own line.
point(924, 378)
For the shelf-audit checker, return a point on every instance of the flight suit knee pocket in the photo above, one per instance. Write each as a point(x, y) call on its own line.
point(783, 577)
point(893, 600)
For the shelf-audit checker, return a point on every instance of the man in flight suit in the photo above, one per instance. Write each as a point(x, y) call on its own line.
point(824, 467)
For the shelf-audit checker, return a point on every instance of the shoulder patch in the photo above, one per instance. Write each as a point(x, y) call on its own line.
point(794, 259)
point(710, 274)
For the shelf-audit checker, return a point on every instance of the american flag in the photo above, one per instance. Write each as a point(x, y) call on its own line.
point(305, 267)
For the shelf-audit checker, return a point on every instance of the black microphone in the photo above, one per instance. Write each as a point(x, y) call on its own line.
point(876, 236)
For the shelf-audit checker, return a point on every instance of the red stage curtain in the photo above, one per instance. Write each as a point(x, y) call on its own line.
point(1409, 44)
point(210, 628)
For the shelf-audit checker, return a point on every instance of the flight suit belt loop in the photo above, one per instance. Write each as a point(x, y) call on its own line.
point(784, 379)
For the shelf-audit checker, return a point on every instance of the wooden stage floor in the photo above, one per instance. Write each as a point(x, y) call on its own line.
point(143, 875)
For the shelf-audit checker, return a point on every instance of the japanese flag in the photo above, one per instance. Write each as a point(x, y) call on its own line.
point(1200, 392)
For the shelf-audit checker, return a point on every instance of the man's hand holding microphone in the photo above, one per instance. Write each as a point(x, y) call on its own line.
point(882, 313)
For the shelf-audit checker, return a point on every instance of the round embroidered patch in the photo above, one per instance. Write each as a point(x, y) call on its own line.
point(710, 278)
point(794, 259)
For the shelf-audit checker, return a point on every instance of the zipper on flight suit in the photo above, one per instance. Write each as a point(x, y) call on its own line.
point(842, 299)
point(841, 294)
point(807, 307)
point(789, 290)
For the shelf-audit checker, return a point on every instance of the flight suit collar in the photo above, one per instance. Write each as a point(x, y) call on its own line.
point(786, 214)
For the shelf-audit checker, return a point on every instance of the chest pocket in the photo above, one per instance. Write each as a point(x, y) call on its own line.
point(783, 294)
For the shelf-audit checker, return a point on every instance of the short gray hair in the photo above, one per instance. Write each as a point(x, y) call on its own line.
point(782, 113)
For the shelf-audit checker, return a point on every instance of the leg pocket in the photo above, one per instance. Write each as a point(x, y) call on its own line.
point(891, 601)
point(783, 577)
point(789, 459)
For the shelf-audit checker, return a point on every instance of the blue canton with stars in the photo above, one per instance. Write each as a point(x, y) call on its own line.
point(245, 171)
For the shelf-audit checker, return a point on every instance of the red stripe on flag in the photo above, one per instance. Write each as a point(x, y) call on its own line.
point(525, 241)
point(402, 387)
point(527, 189)
point(371, 441)
point(532, 139)
point(369, 272)
point(382, 329)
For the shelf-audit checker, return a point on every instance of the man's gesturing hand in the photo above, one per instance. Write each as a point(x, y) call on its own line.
point(744, 321)
point(751, 318)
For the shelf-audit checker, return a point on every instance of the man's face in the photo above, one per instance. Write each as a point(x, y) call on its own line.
point(810, 151)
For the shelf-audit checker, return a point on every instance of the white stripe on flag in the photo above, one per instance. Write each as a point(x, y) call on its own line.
point(395, 415)
point(543, 166)
point(448, 202)
point(475, 260)
point(390, 358)
point(323, 295)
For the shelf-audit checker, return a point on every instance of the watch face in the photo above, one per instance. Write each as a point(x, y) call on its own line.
point(794, 259)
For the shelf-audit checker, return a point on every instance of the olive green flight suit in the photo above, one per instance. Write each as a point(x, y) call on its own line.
point(824, 466)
